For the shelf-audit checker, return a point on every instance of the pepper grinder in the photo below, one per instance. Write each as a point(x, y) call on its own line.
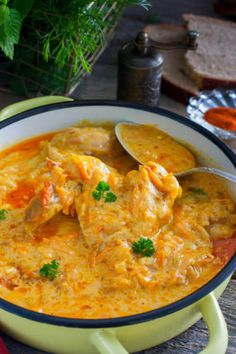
point(140, 67)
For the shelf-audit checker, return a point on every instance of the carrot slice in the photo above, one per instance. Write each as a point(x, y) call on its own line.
point(21, 196)
point(46, 194)
point(225, 249)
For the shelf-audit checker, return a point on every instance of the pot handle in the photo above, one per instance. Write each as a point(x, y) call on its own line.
point(214, 319)
point(106, 342)
point(25, 105)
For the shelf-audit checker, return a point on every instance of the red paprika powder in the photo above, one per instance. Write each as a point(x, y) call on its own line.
point(222, 117)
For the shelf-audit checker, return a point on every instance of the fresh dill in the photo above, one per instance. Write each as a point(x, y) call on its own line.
point(66, 32)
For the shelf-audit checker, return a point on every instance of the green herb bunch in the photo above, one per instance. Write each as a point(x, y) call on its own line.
point(64, 31)
point(12, 14)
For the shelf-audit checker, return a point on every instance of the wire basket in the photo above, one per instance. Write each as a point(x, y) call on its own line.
point(30, 75)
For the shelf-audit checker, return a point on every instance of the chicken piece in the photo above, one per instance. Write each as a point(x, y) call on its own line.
point(62, 187)
point(99, 219)
point(216, 215)
point(97, 142)
point(87, 141)
point(144, 203)
point(151, 193)
point(144, 199)
point(85, 169)
point(49, 202)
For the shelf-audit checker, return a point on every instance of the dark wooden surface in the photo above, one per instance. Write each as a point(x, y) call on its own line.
point(102, 84)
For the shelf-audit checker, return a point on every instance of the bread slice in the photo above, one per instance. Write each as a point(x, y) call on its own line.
point(213, 64)
point(175, 83)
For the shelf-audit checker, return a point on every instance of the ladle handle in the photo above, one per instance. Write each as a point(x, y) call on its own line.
point(229, 176)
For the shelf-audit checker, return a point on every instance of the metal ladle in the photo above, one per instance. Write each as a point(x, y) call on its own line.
point(230, 177)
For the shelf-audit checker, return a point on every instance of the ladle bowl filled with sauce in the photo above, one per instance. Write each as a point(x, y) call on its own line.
point(101, 254)
point(148, 143)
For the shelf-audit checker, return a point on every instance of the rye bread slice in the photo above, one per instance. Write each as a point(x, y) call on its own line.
point(175, 83)
point(213, 64)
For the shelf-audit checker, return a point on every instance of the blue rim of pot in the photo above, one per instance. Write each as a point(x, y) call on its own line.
point(226, 271)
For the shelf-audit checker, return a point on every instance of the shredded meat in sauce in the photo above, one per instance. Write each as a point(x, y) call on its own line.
point(47, 186)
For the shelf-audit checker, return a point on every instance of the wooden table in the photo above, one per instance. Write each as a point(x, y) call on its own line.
point(102, 85)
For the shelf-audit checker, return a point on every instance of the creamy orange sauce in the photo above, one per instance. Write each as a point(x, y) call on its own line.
point(148, 143)
point(46, 185)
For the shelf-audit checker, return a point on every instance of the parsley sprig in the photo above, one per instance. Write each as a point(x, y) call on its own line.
point(50, 270)
point(144, 247)
point(3, 214)
point(103, 191)
point(198, 191)
point(12, 14)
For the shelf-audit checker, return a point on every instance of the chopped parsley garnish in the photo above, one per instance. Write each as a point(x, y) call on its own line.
point(103, 186)
point(97, 195)
point(110, 197)
point(144, 247)
point(50, 270)
point(102, 191)
point(199, 191)
point(3, 214)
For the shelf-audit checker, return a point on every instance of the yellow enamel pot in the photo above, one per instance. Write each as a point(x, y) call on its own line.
point(132, 333)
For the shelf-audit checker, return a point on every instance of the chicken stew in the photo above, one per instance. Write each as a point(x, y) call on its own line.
point(87, 233)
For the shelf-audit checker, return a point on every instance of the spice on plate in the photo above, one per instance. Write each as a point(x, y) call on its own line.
point(222, 117)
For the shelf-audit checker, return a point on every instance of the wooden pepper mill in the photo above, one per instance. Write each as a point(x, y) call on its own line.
point(140, 67)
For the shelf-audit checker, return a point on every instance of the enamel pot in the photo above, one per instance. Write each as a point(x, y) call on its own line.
point(132, 333)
